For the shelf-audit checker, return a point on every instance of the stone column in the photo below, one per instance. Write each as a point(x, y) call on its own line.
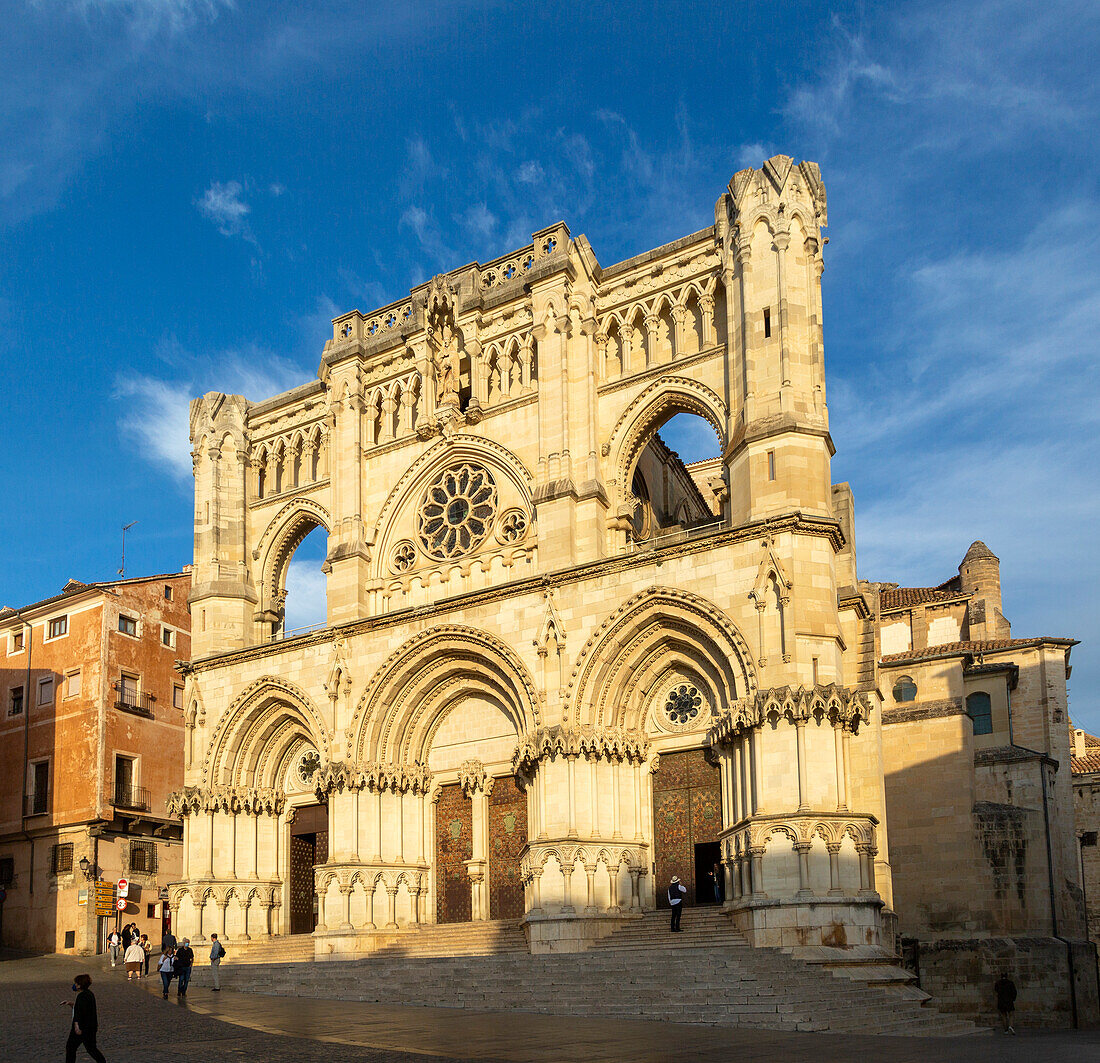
point(613, 888)
point(572, 787)
point(651, 323)
point(834, 868)
point(727, 882)
point(756, 856)
point(803, 850)
point(245, 906)
point(590, 873)
point(391, 908)
point(679, 341)
point(345, 891)
point(841, 781)
point(222, 905)
point(800, 744)
point(706, 306)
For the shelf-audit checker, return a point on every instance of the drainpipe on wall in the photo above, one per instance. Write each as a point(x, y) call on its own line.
point(1053, 900)
point(28, 635)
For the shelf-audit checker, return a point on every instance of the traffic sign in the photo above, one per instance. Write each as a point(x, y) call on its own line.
point(120, 904)
point(123, 887)
point(104, 897)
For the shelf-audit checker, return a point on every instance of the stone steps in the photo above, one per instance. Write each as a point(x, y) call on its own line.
point(718, 979)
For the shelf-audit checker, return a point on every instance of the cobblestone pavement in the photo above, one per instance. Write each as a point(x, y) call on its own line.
point(137, 1026)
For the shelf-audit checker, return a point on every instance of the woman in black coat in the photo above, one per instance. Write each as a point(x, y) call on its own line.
point(85, 1021)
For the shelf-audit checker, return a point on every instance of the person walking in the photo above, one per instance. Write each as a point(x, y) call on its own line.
point(168, 940)
point(676, 891)
point(185, 961)
point(85, 1024)
point(167, 969)
point(1005, 989)
point(113, 943)
point(145, 948)
point(217, 951)
point(127, 937)
point(134, 957)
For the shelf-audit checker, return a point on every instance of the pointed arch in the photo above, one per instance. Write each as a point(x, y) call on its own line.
point(656, 404)
point(413, 689)
point(279, 541)
point(637, 643)
point(269, 708)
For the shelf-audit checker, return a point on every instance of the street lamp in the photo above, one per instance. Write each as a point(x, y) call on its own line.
point(88, 869)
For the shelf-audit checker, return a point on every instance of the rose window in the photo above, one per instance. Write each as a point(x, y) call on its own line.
point(684, 703)
point(457, 511)
point(308, 763)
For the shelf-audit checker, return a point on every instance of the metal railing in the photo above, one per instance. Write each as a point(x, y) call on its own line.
point(291, 633)
point(38, 804)
point(668, 536)
point(132, 797)
point(130, 700)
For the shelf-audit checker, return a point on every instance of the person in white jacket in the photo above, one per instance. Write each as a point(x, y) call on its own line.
point(676, 891)
point(135, 960)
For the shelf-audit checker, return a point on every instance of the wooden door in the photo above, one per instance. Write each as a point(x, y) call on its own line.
point(302, 855)
point(454, 845)
point(687, 810)
point(507, 838)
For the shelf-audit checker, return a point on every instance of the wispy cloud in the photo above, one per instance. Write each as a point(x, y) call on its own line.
point(155, 410)
point(146, 17)
point(224, 206)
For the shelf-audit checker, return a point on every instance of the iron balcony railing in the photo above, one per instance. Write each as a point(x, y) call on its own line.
point(130, 700)
point(38, 804)
point(132, 797)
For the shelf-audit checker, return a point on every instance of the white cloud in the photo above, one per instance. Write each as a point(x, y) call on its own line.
point(306, 592)
point(146, 17)
point(530, 173)
point(479, 221)
point(223, 205)
point(428, 234)
point(155, 412)
point(751, 156)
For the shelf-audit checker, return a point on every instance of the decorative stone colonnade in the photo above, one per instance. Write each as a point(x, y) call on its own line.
point(798, 861)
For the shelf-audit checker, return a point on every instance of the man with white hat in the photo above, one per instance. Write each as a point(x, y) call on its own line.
point(676, 891)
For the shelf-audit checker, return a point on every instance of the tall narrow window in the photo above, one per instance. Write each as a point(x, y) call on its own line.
point(17, 642)
point(767, 322)
point(979, 707)
point(771, 464)
point(15, 702)
point(168, 592)
point(45, 691)
point(72, 683)
point(815, 672)
point(40, 794)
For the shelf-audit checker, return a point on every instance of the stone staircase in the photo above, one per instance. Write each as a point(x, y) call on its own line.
point(707, 974)
point(297, 948)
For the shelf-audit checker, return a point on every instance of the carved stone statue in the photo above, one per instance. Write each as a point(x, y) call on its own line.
point(446, 363)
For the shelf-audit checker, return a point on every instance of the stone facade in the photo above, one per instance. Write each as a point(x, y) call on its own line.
point(91, 744)
point(1086, 808)
point(559, 664)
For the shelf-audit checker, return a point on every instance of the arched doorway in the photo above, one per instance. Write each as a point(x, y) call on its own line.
point(308, 847)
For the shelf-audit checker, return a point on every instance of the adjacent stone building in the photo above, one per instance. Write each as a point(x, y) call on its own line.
point(559, 664)
point(91, 744)
point(1086, 804)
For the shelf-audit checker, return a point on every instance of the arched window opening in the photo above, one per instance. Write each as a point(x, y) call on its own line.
point(905, 690)
point(677, 483)
point(979, 707)
point(303, 603)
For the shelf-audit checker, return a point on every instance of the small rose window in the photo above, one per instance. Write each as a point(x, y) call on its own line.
point(684, 703)
point(308, 763)
point(457, 511)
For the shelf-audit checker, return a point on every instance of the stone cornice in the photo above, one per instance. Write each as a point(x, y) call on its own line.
point(592, 743)
point(796, 523)
point(838, 704)
point(230, 799)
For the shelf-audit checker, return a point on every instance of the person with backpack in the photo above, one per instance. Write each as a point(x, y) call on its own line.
point(166, 968)
point(676, 891)
point(184, 962)
point(113, 944)
point(85, 1024)
point(217, 951)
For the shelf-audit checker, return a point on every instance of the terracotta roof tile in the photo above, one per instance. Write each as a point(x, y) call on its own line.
point(949, 649)
point(901, 597)
point(1087, 764)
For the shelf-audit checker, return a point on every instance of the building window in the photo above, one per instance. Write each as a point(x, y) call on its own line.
point(39, 797)
point(150, 911)
point(15, 701)
point(177, 697)
point(17, 642)
point(61, 859)
point(45, 691)
point(143, 857)
point(70, 939)
point(72, 683)
point(7, 871)
point(168, 637)
point(979, 707)
point(58, 626)
point(128, 693)
point(771, 464)
point(168, 592)
point(905, 689)
point(127, 625)
point(767, 322)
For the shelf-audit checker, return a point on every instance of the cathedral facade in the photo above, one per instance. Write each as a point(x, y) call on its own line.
point(560, 665)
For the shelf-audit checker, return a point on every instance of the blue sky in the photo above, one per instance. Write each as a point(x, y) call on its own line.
point(191, 189)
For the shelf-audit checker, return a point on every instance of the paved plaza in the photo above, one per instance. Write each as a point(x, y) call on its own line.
point(138, 1026)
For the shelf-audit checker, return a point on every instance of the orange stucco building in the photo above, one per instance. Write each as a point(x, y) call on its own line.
point(91, 743)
